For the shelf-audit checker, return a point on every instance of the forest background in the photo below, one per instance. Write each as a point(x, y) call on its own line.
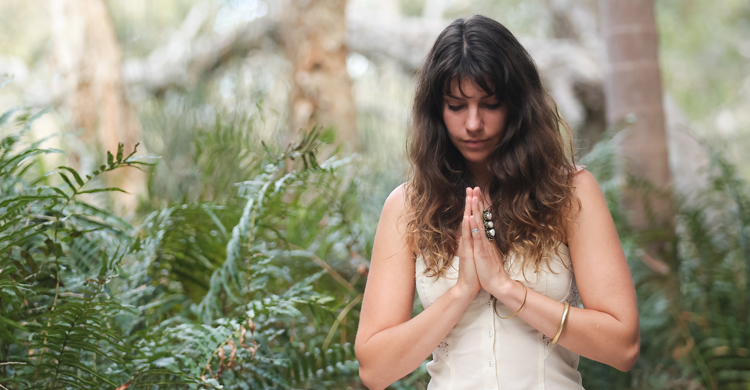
point(171, 216)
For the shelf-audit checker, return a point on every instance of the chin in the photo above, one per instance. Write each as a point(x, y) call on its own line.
point(475, 158)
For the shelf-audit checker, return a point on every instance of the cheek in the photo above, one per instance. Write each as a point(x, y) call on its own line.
point(504, 115)
point(447, 117)
point(498, 120)
point(452, 123)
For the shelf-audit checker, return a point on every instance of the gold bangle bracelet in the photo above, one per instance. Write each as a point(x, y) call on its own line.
point(525, 291)
point(562, 322)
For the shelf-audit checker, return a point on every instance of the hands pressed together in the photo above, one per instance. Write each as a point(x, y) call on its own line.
point(480, 263)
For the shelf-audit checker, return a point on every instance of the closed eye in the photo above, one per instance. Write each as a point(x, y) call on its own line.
point(455, 108)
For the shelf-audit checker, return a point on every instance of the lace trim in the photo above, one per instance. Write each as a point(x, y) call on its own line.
point(574, 298)
point(443, 348)
point(546, 340)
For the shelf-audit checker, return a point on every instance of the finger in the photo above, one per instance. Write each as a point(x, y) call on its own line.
point(477, 214)
point(465, 234)
point(478, 194)
point(484, 242)
point(480, 209)
point(483, 206)
point(476, 236)
point(467, 208)
point(473, 194)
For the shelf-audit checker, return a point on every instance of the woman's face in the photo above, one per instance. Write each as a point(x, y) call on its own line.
point(475, 120)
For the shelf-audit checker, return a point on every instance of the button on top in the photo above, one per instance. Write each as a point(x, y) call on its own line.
point(489, 333)
point(489, 302)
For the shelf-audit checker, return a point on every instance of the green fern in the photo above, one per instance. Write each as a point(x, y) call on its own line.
point(200, 295)
point(75, 332)
point(695, 328)
point(55, 328)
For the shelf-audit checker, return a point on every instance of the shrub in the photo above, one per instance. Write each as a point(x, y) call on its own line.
point(200, 295)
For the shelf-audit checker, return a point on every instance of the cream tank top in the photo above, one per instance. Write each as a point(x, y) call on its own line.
point(486, 352)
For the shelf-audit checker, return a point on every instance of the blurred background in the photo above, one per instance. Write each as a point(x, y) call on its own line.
point(273, 131)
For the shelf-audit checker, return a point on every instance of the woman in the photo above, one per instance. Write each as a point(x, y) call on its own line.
point(500, 295)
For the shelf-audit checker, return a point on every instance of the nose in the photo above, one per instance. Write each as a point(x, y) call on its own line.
point(473, 119)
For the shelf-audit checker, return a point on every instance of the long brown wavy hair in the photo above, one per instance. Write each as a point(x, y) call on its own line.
point(533, 163)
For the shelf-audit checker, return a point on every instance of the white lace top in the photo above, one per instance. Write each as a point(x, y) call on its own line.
point(486, 352)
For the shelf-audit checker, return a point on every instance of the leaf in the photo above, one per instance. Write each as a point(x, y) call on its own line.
point(75, 174)
point(72, 187)
point(33, 118)
point(7, 114)
point(30, 261)
point(165, 361)
point(135, 149)
point(120, 146)
point(13, 323)
point(107, 189)
point(328, 135)
point(83, 367)
point(110, 159)
point(59, 191)
point(136, 245)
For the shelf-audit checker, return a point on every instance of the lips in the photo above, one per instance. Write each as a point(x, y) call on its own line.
point(474, 143)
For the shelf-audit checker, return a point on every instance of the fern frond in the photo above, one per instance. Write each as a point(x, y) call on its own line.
point(75, 335)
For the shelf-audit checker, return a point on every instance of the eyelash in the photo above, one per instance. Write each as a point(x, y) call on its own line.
point(490, 106)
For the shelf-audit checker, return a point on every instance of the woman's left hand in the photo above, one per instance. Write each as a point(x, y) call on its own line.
point(487, 259)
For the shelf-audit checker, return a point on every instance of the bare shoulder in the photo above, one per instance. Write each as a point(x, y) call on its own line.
point(392, 231)
point(584, 182)
point(589, 206)
point(395, 210)
point(397, 198)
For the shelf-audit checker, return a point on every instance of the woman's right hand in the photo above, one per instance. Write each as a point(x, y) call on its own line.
point(468, 280)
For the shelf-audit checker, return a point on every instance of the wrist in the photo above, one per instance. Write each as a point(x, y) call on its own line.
point(505, 288)
point(463, 293)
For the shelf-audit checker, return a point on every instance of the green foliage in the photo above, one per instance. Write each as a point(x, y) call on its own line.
point(262, 290)
point(206, 294)
point(54, 302)
point(251, 326)
point(695, 325)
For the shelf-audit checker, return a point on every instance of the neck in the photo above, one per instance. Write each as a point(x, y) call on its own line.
point(481, 173)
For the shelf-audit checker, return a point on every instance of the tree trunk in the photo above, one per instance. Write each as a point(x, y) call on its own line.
point(88, 58)
point(583, 106)
point(314, 37)
point(576, 20)
point(633, 91)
